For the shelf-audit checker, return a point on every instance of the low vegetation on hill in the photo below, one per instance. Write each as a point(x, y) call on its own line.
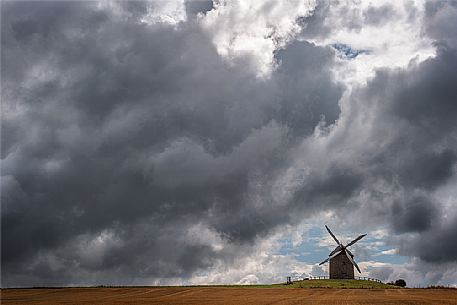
point(340, 284)
point(316, 284)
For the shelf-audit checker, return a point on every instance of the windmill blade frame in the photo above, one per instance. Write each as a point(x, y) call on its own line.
point(338, 248)
point(335, 253)
point(352, 261)
point(355, 240)
point(334, 237)
point(324, 262)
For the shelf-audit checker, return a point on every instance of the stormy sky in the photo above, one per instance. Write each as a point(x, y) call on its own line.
point(208, 142)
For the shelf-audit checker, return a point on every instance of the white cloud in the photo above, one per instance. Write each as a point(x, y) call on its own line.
point(350, 25)
point(254, 29)
point(91, 249)
point(170, 12)
point(416, 273)
point(262, 266)
point(389, 252)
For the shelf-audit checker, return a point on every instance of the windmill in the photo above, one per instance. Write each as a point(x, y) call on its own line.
point(341, 259)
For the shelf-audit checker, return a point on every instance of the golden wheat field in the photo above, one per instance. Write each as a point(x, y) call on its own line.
point(222, 295)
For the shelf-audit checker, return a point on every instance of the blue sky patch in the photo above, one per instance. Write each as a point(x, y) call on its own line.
point(345, 51)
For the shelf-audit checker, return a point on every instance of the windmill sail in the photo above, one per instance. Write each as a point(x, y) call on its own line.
point(324, 262)
point(352, 261)
point(335, 250)
point(356, 240)
point(330, 232)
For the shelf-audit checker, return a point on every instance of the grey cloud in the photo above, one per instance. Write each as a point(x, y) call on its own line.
point(329, 189)
point(135, 9)
point(435, 169)
point(184, 163)
point(432, 82)
point(122, 136)
point(314, 24)
point(194, 7)
point(320, 24)
point(382, 273)
point(435, 245)
point(409, 153)
point(415, 111)
point(318, 271)
point(415, 214)
point(305, 96)
point(417, 273)
point(416, 108)
point(438, 21)
point(377, 15)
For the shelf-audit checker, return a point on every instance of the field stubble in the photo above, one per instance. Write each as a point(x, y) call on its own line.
point(226, 295)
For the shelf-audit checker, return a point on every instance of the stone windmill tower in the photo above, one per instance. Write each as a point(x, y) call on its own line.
point(341, 259)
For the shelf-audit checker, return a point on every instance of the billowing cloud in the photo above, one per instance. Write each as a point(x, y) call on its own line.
point(117, 144)
point(368, 25)
point(169, 142)
point(250, 31)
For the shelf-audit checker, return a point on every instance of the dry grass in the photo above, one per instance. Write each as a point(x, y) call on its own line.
point(226, 295)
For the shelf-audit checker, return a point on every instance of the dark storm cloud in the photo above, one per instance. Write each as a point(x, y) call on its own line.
point(119, 138)
point(304, 92)
point(426, 98)
point(329, 189)
point(417, 107)
point(406, 120)
point(435, 246)
point(435, 169)
point(413, 215)
point(133, 152)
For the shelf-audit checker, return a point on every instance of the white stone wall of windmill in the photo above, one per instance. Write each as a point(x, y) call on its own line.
point(341, 259)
